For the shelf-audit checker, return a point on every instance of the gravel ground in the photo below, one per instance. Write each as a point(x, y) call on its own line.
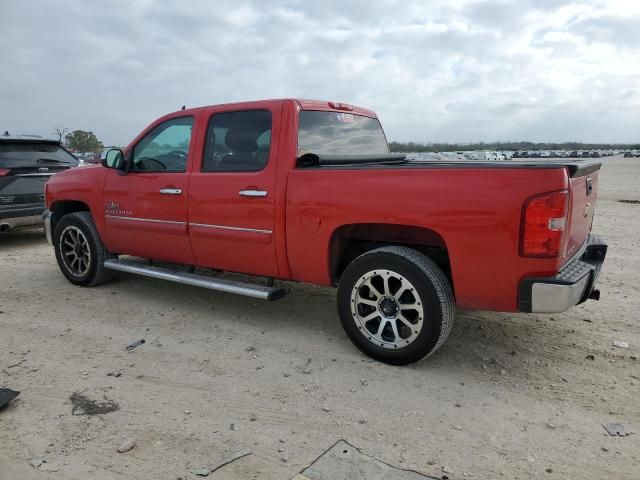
point(509, 395)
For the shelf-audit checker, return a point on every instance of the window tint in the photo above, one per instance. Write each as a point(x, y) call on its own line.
point(165, 148)
point(333, 133)
point(20, 154)
point(237, 142)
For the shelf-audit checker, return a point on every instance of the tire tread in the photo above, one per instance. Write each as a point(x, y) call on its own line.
point(102, 274)
point(441, 294)
point(440, 284)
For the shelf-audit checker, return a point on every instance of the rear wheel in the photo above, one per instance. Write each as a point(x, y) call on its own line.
point(396, 305)
point(79, 250)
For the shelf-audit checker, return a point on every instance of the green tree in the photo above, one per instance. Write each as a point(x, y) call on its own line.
point(83, 141)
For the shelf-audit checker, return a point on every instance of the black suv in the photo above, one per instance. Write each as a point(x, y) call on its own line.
point(26, 163)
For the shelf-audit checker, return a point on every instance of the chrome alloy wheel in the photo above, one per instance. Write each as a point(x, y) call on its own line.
point(75, 252)
point(387, 309)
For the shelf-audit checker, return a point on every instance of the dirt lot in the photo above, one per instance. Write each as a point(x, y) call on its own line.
point(508, 396)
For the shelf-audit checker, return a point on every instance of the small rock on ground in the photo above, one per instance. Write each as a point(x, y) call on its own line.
point(49, 467)
point(126, 446)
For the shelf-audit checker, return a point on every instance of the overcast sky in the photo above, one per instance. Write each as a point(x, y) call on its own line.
point(541, 70)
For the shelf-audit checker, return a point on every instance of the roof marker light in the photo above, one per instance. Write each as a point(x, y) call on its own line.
point(340, 106)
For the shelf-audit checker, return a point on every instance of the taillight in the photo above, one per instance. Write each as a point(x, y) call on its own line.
point(4, 171)
point(544, 220)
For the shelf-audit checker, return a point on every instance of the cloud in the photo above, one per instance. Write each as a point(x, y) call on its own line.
point(544, 70)
point(620, 31)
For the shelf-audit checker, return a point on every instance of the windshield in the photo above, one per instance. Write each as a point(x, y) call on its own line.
point(338, 133)
point(18, 154)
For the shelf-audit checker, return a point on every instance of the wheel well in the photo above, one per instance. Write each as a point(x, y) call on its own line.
point(63, 207)
point(350, 241)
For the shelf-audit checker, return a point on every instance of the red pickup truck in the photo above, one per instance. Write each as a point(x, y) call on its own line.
point(307, 191)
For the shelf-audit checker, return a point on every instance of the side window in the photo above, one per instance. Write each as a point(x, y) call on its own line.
point(237, 141)
point(165, 148)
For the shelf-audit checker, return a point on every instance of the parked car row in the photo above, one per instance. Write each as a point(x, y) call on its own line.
point(502, 155)
point(564, 153)
point(87, 157)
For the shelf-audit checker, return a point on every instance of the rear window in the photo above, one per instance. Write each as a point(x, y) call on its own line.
point(20, 154)
point(339, 133)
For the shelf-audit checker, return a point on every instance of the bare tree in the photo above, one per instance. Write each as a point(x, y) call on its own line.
point(60, 132)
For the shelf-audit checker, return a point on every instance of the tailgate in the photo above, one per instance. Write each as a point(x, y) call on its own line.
point(584, 191)
point(24, 185)
point(25, 167)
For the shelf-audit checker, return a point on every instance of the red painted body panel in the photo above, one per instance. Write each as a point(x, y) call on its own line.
point(83, 184)
point(473, 211)
point(146, 232)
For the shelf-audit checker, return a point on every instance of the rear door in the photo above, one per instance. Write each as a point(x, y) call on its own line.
point(232, 190)
point(146, 209)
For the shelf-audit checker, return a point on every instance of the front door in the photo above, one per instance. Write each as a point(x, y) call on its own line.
point(232, 190)
point(146, 208)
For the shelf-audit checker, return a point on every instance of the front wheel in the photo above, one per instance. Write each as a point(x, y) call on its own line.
point(396, 305)
point(79, 250)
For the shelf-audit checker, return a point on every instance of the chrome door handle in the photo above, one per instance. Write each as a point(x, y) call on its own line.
point(252, 193)
point(170, 191)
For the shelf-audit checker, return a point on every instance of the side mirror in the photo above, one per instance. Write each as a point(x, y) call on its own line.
point(113, 158)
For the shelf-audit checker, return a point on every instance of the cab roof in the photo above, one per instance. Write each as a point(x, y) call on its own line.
point(303, 104)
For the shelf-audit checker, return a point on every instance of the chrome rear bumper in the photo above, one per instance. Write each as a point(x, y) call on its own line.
point(574, 283)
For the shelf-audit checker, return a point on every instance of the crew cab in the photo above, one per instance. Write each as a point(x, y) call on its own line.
point(308, 191)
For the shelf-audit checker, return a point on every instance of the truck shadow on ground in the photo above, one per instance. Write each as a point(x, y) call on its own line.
point(21, 238)
point(498, 345)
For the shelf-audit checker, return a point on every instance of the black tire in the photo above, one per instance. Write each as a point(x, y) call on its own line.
point(432, 291)
point(94, 273)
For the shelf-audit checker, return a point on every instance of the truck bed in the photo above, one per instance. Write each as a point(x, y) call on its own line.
point(576, 168)
point(473, 206)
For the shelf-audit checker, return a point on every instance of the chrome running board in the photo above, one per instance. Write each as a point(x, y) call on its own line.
point(261, 292)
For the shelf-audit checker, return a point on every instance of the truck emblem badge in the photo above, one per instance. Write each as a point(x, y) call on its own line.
point(7, 199)
point(113, 209)
point(43, 169)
